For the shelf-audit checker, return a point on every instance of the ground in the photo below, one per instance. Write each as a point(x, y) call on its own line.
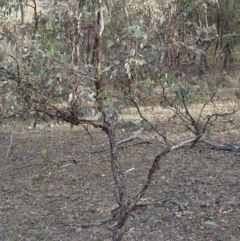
point(57, 178)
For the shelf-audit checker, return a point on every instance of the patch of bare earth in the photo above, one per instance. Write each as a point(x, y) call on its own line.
point(58, 178)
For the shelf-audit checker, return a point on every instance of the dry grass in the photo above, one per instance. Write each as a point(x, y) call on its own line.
point(45, 194)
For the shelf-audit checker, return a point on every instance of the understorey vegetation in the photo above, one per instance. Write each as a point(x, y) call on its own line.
point(171, 65)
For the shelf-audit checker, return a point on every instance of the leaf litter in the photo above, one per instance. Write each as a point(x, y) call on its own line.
point(59, 178)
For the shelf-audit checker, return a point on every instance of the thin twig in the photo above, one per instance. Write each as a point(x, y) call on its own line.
point(163, 134)
point(133, 136)
point(183, 117)
point(179, 220)
point(156, 165)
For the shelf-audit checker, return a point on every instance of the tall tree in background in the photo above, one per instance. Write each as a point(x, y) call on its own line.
point(83, 62)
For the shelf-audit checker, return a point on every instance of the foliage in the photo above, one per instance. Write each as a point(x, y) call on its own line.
point(77, 61)
point(207, 224)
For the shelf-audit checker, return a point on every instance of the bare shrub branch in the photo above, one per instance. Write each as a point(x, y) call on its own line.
point(10, 142)
point(162, 134)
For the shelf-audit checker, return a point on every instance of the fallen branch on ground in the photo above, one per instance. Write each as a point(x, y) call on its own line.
point(222, 147)
point(133, 136)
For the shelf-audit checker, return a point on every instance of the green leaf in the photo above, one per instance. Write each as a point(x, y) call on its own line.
point(34, 124)
point(141, 62)
point(49, 82)
point(106, 69)
point(59, 75)
point(70, 98)
point(132, 52)
point(110, 44)
point(199, 52)
point(208, 225)
point(191, 47)
point(117, 62)
point(51, 50)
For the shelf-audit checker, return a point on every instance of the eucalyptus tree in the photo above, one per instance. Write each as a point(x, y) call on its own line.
point(84, 61)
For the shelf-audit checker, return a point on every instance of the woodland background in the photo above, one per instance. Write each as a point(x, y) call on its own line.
point(119, 120)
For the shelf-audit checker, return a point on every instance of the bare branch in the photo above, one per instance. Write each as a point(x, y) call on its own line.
point(184, 118)
point(205, 104)
point(187, 114)
point(114, 163)
point(10, 142)
point(163, 134)
point(224, 147)
point(133, 136)
point(212, 118)
point(156, 166)
point(178, 146)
